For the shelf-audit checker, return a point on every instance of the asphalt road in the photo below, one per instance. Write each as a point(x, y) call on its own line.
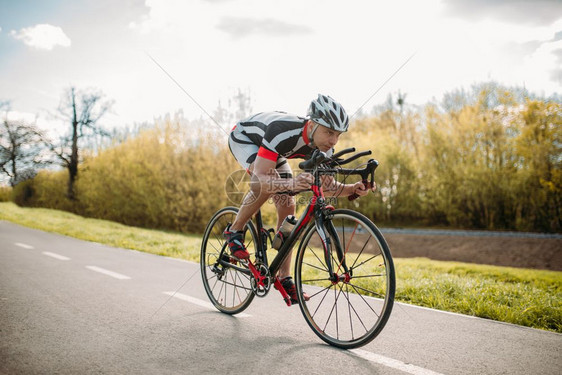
point(69, 306)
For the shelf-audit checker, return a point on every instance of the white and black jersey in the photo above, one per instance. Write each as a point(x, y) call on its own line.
point(276, 136)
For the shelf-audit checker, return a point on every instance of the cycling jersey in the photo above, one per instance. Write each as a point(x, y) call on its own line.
point(275, 136)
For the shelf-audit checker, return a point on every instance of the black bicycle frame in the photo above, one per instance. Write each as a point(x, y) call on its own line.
point(322, 214)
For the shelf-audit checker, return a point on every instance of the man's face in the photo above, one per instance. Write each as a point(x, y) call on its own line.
point(325, 138)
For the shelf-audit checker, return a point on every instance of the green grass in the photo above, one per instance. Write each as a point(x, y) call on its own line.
point(171, 244)
point(525, 297)
point(531, 298)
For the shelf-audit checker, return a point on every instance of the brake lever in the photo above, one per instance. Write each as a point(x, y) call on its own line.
point(369, 170)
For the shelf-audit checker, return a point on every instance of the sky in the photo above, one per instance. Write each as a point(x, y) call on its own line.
point(282, 53)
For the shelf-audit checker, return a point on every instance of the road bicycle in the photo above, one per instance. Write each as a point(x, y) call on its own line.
point(343, 262)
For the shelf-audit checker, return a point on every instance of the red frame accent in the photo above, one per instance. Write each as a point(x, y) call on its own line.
point(318, 192)
point(256, 273)
point(282, 290)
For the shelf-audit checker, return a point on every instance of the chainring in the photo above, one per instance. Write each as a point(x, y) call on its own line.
point(261, 291)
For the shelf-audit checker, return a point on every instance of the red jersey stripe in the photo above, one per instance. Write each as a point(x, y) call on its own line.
point(305, 133)
point(267, 154)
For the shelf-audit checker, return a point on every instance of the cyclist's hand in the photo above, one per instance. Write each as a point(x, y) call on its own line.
point(303, 181)
point(360, 189)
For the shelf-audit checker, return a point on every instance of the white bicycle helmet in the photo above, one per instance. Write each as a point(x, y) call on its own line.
point(329, 113)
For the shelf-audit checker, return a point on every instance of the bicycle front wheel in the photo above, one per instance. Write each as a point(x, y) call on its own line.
point(349, 308)
point(226, 281)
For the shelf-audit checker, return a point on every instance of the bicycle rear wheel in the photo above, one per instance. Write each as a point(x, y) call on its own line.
point(350, 309)
point(226, 281)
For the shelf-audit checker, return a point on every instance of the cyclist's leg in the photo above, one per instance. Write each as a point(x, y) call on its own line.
point(285, 205)
point(245, 152)
point(252, 202)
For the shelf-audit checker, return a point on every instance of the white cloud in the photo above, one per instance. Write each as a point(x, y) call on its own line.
point(42, 36)
point(536, 12)
point(239, 27)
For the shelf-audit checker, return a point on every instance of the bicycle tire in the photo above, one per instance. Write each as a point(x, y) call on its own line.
point(346, 314)
point(227, 282)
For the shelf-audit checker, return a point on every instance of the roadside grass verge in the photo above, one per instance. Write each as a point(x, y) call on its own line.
point(172, 244)
point(526, 297)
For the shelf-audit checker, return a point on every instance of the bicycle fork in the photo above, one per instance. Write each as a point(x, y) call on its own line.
point(322, 223)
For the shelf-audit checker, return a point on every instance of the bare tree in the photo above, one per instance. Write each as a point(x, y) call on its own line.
point(82, 110)
point(22, 150)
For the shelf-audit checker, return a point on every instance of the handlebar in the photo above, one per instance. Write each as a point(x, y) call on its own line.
point(336, 162)
point(319, 159)
point(343, 152)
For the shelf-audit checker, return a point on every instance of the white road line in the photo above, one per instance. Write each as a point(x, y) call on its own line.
point(392, 363)
point(181, 260)
point(54, 255)
point(24, 245)
point(108, 273)
point(199, 302)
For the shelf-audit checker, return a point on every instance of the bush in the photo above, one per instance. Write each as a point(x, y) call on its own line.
point(166, 178)
point(23, 193)
point(483, 164)
point(50, 191)
point(5, 193)
point(47, 189)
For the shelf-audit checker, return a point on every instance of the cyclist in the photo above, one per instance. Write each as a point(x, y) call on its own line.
point(262, 144)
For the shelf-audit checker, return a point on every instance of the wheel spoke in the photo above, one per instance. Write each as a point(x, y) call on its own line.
point(363, 298)
point(313, 266)
point(321, 290)
point(320, 260)
point(365, 261)
point(311, 280)
point(374, 275)
point(357, 287)
point(349, 310)
point(322, 300)
point(361, 252)
point(355, 311)
point(347, 247)
point(331, 311)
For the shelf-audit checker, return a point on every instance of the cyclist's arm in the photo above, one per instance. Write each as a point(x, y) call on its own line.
point(331, 188)
point(265, 177)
